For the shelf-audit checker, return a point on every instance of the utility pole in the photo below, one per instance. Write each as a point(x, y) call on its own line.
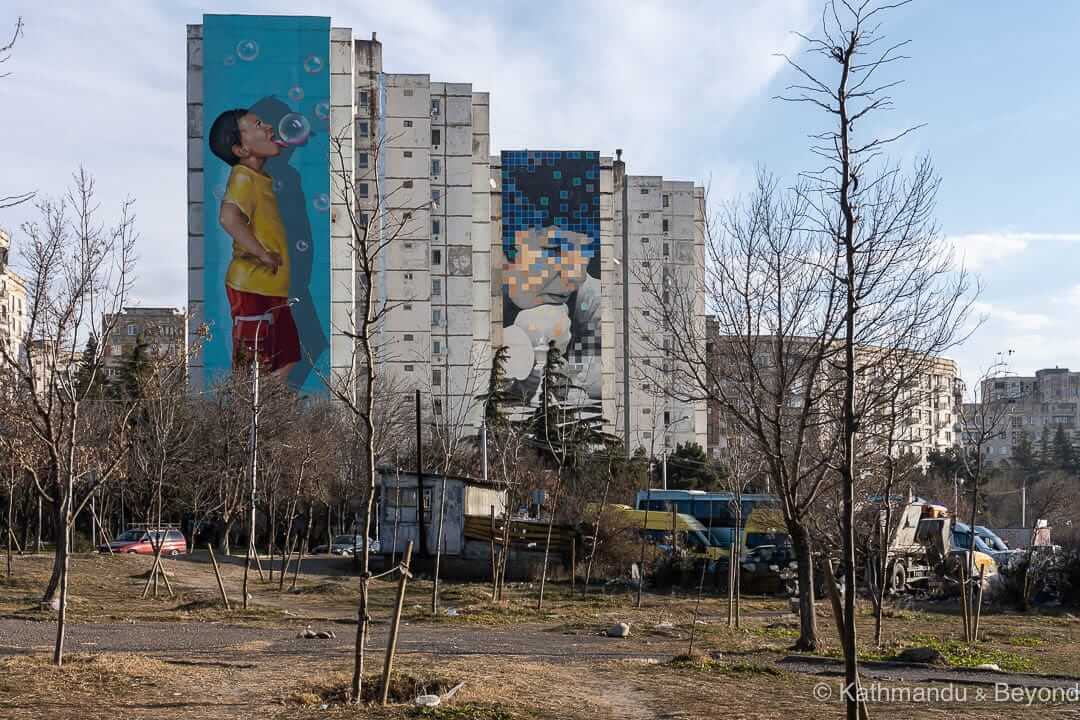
point(663, 472)
point(620, 180)
point(254, 458)
point(267, 316)
point(420, 483)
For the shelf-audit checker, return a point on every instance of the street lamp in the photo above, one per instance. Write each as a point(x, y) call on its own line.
point(258, 320)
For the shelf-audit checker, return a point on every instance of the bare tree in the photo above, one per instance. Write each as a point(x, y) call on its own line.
point(451, 433)
point(896, 280)
point(78, 271)
point(7, 201)
point(763, 357)
point(377, 219)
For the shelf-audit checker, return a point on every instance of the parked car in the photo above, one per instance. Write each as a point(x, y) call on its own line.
point(144, 542)
point(1003, 555)
point(346, 545)
point(768, 569)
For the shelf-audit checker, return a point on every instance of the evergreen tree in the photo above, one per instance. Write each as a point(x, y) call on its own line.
point(1024, 459)
point(689, 468)
point(1062, 453)
point(86, 383)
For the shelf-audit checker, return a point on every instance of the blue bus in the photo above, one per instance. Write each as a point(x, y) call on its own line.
point(762, 519)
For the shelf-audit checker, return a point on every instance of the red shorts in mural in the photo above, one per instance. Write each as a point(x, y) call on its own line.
point(263, 324)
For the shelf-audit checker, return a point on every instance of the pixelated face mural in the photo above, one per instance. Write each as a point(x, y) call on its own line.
point(551, 268)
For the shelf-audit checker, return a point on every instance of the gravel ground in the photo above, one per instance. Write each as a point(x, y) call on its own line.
point(232, 642)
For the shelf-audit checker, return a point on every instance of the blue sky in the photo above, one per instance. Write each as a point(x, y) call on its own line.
point(684, 88)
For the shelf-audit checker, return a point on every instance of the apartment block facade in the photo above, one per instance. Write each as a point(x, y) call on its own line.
point(1033, 405)
point(161, 331)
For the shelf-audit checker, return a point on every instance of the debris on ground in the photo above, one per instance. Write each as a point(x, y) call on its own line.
point(619, 630)
point(928, 655)
point(427, 700)
point(309, 634)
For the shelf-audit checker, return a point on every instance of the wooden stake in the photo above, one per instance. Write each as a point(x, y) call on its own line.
point(258, 563)
point(965, 606)
point(391, 642)
point(217, 574)
point(731, 584)
point(573, 562)
point(285, 565)
point(494, 565)
point(978, 605)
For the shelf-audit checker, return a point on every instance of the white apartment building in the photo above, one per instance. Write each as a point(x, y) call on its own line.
point(661, 249)
point(422, 172)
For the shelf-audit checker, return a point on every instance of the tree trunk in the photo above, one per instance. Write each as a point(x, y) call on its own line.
point(547, 541)
point(800, 541)
point(57, 569)
point(62, 553)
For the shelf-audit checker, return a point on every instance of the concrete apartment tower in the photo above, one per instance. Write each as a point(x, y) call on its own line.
point(422, 164)
point(661, 225)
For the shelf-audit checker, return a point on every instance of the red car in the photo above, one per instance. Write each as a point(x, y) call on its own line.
point(144, 542)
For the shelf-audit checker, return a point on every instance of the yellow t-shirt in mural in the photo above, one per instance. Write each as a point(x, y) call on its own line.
point(253, 193)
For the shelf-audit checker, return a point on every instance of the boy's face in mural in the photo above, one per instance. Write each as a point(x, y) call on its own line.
point(256, 139)
point(549, 265)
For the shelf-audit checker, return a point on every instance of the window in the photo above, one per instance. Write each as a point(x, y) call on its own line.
point(436, 137)
point(408, 276)
point(362, 128)
point(406, 306)
point(408, 368)
point(1016, 421)
point(436, 257)
point(667, 200)
point(362, 160)
point(406, 217)
point(436, 195)
point(436, 168)
point(667, 252)
point(363, 98)
point(362, 219)
point(408, 92)
point(644, 216)
point(436, 377)
point(362, 190)
point(644, 263)
point(646, 411)
point(644, 191)
point(436, 347)
point(644, 241)
point(407, 123)
point(407, 184)
point(436, 406)
point(667, 417)
point(436, 317)
point(436, 286)
point(435, 227)
point(408, 337)
point(408, 245)
point(117, 350)
point(132, 330)
point(665, 225)
point(435, 107)
point(407, 153)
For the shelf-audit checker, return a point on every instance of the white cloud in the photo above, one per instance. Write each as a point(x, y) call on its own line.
point(1012, 319)
point(1072, 296)
point(979, 250)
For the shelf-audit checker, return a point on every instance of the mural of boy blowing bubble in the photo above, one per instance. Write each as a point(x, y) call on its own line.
point(551, 274)
point(257, 279)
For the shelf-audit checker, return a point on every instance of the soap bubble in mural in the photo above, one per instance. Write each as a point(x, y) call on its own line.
point(322, 110)
point(321, 202)
point(294, 129)
point(219, 192)
point(296, 93)
point(313, 64)
point(301, 246)
point(247, 50)
point(230, 59)
point(278, 186)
